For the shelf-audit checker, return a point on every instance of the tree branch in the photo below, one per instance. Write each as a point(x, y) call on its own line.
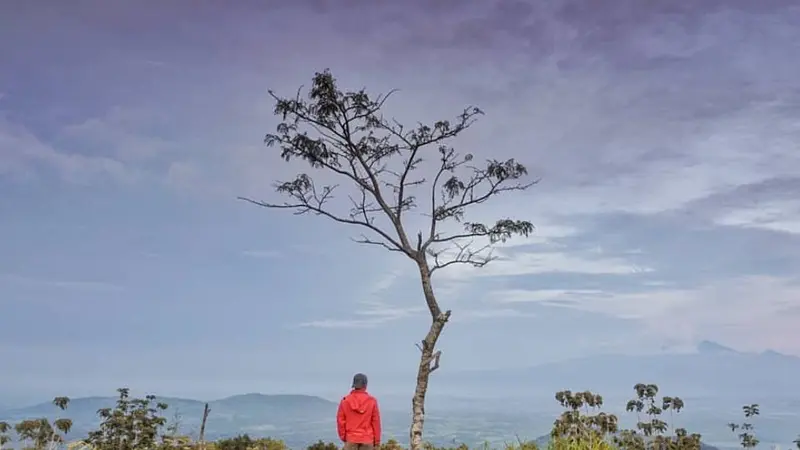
point(433, 361)
point(457, 196)
point(303, 208)
point(352, 139)
point(307, 199)
point(436, 357)
point(365, 240)
point(465, 255)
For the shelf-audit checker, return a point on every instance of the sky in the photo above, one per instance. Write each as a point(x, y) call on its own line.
point(666, 136)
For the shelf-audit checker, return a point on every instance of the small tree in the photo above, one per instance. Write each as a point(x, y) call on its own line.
point(391, 444)
point(245, 442)
point(345, 135)
point(651, 429)
point(583, 420)
point(269, 444)
point(747, 437)
point(133, 424)
point(240, 442)
point(322, 445)
point(40, 433)
point(4, 437)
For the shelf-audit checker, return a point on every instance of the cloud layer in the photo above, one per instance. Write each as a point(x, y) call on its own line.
point(666, 137)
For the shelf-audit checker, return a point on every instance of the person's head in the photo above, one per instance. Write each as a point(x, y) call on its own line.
point(359, 381)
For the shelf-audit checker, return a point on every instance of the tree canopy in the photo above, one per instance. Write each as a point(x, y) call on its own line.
point(347, 134)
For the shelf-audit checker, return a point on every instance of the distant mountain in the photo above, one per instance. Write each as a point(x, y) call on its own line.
point(713, 348)
point(712, 370)
point(244, 404)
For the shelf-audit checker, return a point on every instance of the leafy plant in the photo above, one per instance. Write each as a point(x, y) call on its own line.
point(240, 442)
point(583, 420)
point(245, 442)
point(4, 437)
point(521, 445)
point(268, 444)
point(746, 435)
point(40, 433)
point(651, 431)
point(391, 444)
point(133, 424)
point(591, 442)
point(430, 446)
point(321, 445)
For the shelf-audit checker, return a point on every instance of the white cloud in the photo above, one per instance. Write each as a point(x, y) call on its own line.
point(540, 262)
point(384, 283)
point(747, 312)
point(22, 154)
point(471, 315)
point(370, 317)
point(545, 296)
point(777, 215)
point(125, 134)
point(373, 310)
point(545, 232)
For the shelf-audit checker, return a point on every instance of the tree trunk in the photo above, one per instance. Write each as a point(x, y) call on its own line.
point(429, 359)
point(202, 437)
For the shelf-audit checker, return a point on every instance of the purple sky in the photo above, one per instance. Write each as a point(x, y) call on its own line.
point(666, 134)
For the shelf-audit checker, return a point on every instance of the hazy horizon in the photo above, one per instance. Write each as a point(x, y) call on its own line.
point(489, 388)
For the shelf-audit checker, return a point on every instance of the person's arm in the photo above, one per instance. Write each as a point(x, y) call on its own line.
point(376, 424)
point(340, 422)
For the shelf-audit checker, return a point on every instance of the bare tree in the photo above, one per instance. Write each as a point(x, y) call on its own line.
point(383, 162)
point(202, 438)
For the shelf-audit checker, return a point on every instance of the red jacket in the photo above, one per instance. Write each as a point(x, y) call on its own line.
point(359, 419)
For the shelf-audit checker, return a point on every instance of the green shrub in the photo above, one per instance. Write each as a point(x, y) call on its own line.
point(320, 445)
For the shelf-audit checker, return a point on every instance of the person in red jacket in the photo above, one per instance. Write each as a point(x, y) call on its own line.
point(358, 420)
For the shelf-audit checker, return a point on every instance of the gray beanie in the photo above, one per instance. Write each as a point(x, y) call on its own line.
point(359, 381)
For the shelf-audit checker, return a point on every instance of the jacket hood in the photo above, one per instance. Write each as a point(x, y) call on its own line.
point(357, 401)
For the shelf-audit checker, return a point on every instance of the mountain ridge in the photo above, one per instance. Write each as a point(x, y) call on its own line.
point(708, 354)
point(168, 399)
point(706, 347)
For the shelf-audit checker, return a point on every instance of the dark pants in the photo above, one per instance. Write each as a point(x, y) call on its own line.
point(354, 446)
